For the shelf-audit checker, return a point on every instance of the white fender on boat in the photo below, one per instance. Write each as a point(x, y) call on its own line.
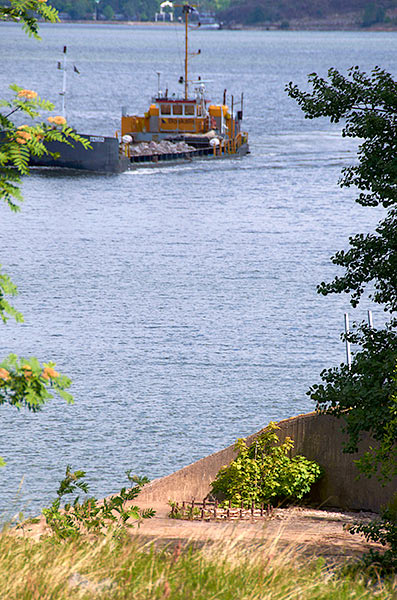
point(214, 142)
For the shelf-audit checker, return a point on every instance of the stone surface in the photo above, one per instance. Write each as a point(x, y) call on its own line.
point(319, 438)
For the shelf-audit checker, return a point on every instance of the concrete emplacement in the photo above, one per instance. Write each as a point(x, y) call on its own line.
point(317, 437)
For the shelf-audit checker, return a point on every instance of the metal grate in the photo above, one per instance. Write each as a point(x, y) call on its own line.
point(215, 511)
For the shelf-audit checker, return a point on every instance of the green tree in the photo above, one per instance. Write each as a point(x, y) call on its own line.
point(26, 12)
point(108, 12)
point(24, 381)
point(373, 14)
point(81, 9)
point(365, 396)
point(257, 15)
point(129, 9)
point(368, 106)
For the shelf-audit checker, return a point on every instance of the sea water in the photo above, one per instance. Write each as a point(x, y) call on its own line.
point(181, 300)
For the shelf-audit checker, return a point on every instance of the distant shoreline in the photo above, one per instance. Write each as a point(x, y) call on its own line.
point(296, 25)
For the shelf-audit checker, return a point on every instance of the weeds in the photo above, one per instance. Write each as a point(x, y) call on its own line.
point(127, 569)
point(384, 531)
point(91, 515)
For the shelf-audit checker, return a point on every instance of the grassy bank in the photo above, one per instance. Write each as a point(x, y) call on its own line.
point(126, 569)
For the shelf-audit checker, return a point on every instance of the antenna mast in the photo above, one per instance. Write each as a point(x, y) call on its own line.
point(63, 93)
point(186, 10)
point(63, 67)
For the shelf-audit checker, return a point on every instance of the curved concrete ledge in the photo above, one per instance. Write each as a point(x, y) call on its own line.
point(318, 437)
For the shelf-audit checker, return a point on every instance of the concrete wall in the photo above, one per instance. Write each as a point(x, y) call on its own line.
point(318, 437)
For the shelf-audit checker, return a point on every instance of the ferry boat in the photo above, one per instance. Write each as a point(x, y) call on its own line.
point(174, 129)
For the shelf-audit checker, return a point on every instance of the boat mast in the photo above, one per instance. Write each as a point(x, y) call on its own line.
point(63, 68)
point(186, 10)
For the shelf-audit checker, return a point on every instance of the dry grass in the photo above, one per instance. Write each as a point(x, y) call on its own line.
point(131, 570)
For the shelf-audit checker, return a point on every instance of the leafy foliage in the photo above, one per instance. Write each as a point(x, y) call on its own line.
point(77, 9)
point(244, 11)
point(19, 143)
point(138, 480)
point(186, 512)
point(264, 473)
point(90, 515)
point(371, 258)
point(129, 9)
point(365, 396)
point(24, 382)
point(368, 105)
point(7, 288)
point(26, 11)
point(384, 531)
point(373, 13)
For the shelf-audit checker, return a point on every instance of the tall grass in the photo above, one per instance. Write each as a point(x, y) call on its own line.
point(128, 569)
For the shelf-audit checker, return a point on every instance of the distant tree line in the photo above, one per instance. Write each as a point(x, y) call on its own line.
point(281, 11)
point(249, 12)
point(131, 10)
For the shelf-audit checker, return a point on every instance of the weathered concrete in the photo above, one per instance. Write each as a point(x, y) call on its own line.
point(318, 437)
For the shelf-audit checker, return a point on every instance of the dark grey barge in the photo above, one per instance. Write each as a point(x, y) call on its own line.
point(102, 157)
point(107, 155)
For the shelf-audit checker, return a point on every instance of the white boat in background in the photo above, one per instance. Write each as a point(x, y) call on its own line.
point(205, 20)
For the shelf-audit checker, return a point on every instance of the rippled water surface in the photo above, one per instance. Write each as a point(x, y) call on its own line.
point(181, 300)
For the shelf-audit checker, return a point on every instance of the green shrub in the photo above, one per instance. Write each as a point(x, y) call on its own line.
point(264, 473)
point(383, 531)
point(91, 515)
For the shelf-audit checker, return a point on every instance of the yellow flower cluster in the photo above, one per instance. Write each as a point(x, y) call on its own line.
point(28, 371)
point(57, 120)
point(4, 374)
point(28, 94)
point(22, 136)
point(49, 373)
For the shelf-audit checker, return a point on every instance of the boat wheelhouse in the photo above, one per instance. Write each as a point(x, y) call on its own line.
point(195, 120)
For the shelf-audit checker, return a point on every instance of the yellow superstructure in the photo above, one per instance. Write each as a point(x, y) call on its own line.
point(173, 117)
point(189, 117)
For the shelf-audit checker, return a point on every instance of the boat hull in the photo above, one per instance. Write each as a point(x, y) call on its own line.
point(104, 156)
point(153, 160)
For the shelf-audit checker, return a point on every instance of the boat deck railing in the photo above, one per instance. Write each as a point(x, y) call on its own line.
point(169, 156)
point(228, 146)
